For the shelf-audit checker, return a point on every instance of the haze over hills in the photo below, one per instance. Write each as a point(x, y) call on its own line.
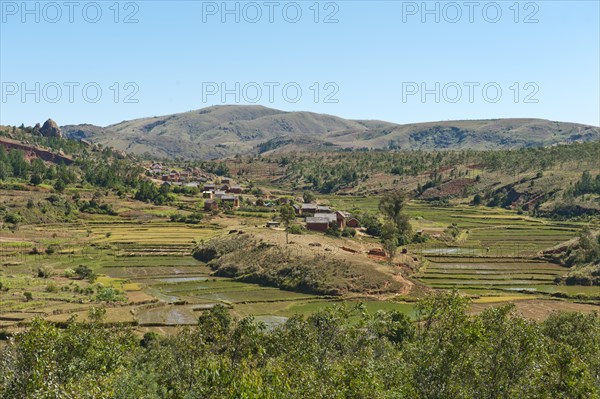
point(224, 131)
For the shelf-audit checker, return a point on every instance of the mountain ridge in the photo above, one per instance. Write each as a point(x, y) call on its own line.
point(229, 130)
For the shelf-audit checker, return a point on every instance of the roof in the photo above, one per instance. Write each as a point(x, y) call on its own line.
point(228, 198)
point(317, 220)
point(323, 208)
point(332, 217)
point(309, 206)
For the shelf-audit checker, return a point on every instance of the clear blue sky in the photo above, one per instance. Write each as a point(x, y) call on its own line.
point(376, 59)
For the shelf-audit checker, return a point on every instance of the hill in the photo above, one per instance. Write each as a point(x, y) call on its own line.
point(225, 131)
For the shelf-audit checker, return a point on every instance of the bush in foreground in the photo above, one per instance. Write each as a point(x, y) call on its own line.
point(339, 352)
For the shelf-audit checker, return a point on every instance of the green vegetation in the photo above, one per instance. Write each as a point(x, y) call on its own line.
point(338, 352)
point(95, 235)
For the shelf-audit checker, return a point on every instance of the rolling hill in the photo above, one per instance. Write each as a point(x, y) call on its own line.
point(225, 131)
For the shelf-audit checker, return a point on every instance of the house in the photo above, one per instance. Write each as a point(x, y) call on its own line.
point(236, 189)
point(156, 168)
point(165, 177)
point(219, 194)
point(317, 223)
point(192, 184)
point(322, 209)
point(322, 221)
point(352, 222)
point(231, 199)
point(309, 209)
point(184, 176)
point(209, 187)
point(340, 219)
point(297, 209)
point(225, 187)
point(226, 180)
point(207, 194)
point(272, 224)
point(210, 205)
point(174, 176)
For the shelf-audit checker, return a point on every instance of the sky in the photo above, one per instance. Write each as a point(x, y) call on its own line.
point(401, 61)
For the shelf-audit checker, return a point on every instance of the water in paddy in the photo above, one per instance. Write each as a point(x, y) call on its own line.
point(182, 279)
point(450, 251)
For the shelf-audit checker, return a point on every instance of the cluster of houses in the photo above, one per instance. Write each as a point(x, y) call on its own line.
point(320, 218)
point(224, 193)
point(188, 175)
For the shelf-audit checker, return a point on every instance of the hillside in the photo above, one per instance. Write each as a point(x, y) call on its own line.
point(225, 131)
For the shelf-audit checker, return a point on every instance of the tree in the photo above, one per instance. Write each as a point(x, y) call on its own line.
point(391, 206)
point(389, 240)
point(60, 185)
point(35, 179)
point(308, 197)
point(85, 272)
point(288, 215)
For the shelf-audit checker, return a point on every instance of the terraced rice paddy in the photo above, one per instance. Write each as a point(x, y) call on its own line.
point(495, 261)
point(472, 274)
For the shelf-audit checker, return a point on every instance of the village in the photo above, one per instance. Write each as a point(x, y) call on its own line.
point(223, 193)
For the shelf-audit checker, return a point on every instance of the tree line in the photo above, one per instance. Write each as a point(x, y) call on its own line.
point(338, 352)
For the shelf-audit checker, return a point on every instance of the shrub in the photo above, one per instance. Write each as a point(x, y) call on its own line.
point(297, 229)
point(349, 232)
point(45, 271)
point(109, 294)
point(28, 296)
point(69, 273)
point(85, 272)
point(51, 287)
point(13, 218)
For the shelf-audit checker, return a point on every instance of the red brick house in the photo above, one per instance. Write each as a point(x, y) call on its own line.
point(210, 205)
point(231, 199)
point(236, 189)
point(317, 223)
point(353, 222)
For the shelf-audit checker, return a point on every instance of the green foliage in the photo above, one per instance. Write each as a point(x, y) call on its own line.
point(339, 352)
point(389, 240)
point(287, 215)
point(308, 197)
point(85, 272)
point(391, 206)
point(371, 223)
point(94, 207)
point(45, 271)
point(109, 294)
point(193, 218)
point(297, 229)
point(149, 192)
point(13, 218)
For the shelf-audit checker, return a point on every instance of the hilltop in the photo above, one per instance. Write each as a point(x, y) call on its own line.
point(225, 131)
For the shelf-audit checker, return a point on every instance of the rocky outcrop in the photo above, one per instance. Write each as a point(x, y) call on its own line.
point(50, 129)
